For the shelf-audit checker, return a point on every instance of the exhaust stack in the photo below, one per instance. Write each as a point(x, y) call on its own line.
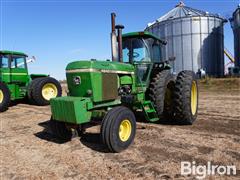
point(119, 38)
point(113, 38)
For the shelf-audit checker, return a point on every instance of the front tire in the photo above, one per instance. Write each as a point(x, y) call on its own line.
point(186, 98)
point(5, 97)
point(118, 129)
point(43, 89)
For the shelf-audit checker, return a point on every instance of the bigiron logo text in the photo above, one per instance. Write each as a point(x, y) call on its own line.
point(201, 171)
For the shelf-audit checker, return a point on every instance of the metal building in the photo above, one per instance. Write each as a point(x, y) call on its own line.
point(235, 23)
point(194, 37)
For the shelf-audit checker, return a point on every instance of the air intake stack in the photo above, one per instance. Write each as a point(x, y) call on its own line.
point(116, 40)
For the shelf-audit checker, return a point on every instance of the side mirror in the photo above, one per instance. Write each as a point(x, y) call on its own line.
point(32, 59)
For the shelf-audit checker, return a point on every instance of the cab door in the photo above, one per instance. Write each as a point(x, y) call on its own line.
point(141, 58)
point(18, 70)
point(143, 71)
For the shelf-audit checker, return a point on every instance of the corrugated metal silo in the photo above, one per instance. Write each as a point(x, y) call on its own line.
point(235, 23)
point(194, 37)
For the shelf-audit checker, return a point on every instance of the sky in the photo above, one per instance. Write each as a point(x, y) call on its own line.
point(59, 32)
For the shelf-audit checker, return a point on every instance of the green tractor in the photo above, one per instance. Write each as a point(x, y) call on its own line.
point(16, 83)
point(136, 80)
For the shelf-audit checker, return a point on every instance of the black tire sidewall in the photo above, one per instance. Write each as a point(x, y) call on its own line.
point(182, 100)
point(117, 144)
point(30, 90)
point(157, 92)
point(110, 128)
point(37, 90)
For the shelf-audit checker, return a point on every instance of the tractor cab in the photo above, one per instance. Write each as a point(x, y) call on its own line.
point(13, 67)
point(142, 49)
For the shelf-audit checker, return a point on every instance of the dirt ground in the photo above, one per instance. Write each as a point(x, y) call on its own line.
point(30, 151)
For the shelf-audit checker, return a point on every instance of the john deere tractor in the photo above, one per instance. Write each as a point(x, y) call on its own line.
point(136, 80)
point(16, 83)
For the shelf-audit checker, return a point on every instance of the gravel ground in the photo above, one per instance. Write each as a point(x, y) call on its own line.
point(30, 151)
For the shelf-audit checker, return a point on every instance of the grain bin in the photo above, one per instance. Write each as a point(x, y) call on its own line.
point(194, 37)
point(235, 23)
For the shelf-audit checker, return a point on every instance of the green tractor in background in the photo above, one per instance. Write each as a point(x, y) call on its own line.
point(136, 80)
point(16, 83)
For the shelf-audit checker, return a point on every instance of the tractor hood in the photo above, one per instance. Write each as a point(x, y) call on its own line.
point(99, 66)
point(98, 80)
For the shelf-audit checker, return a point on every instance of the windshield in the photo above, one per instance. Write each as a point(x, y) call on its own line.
point(141, 50)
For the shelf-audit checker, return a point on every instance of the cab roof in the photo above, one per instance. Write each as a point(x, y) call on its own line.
point(142, 34)
point(12, 52)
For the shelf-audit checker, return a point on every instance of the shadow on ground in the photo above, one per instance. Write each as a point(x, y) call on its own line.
point(47, 134)
point(94, 142)
point(90, 140)
point(19, 101)
point(168, 121)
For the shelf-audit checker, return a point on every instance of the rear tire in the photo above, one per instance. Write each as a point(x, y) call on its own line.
point(186, 98)
point(5, 97)
point(118, 129)
point(161, 94)
point(60, 130)
point(30, 89)
point(43, 89)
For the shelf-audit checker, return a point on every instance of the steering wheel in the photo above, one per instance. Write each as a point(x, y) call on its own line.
point(146, 59)
point(135, 54)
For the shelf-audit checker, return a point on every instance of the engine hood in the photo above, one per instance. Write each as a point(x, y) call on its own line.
point(99, 66)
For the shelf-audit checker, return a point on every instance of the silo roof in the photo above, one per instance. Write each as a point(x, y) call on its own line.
point(181, 11)
point(238, 8)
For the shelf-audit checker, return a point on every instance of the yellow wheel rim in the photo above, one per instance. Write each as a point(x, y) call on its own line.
point(49, 91)
point(194, 98)
point(1, 96)
point(125, 130)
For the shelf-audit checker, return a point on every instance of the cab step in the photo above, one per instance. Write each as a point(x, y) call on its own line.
point(149, 111)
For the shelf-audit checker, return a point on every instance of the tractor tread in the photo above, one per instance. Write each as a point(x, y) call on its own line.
point(157, 90)
point(30, 90)
point(108, 128)
point(182, 98)
point(36, 90)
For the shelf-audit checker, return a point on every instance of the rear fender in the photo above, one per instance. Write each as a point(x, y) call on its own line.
point(34, 76)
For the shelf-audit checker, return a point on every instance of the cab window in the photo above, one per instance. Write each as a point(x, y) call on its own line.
point(18, 62)
point(136, 50)
point(4, 61)
point(140, 50)
point(126, 55)
point(156, 52)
